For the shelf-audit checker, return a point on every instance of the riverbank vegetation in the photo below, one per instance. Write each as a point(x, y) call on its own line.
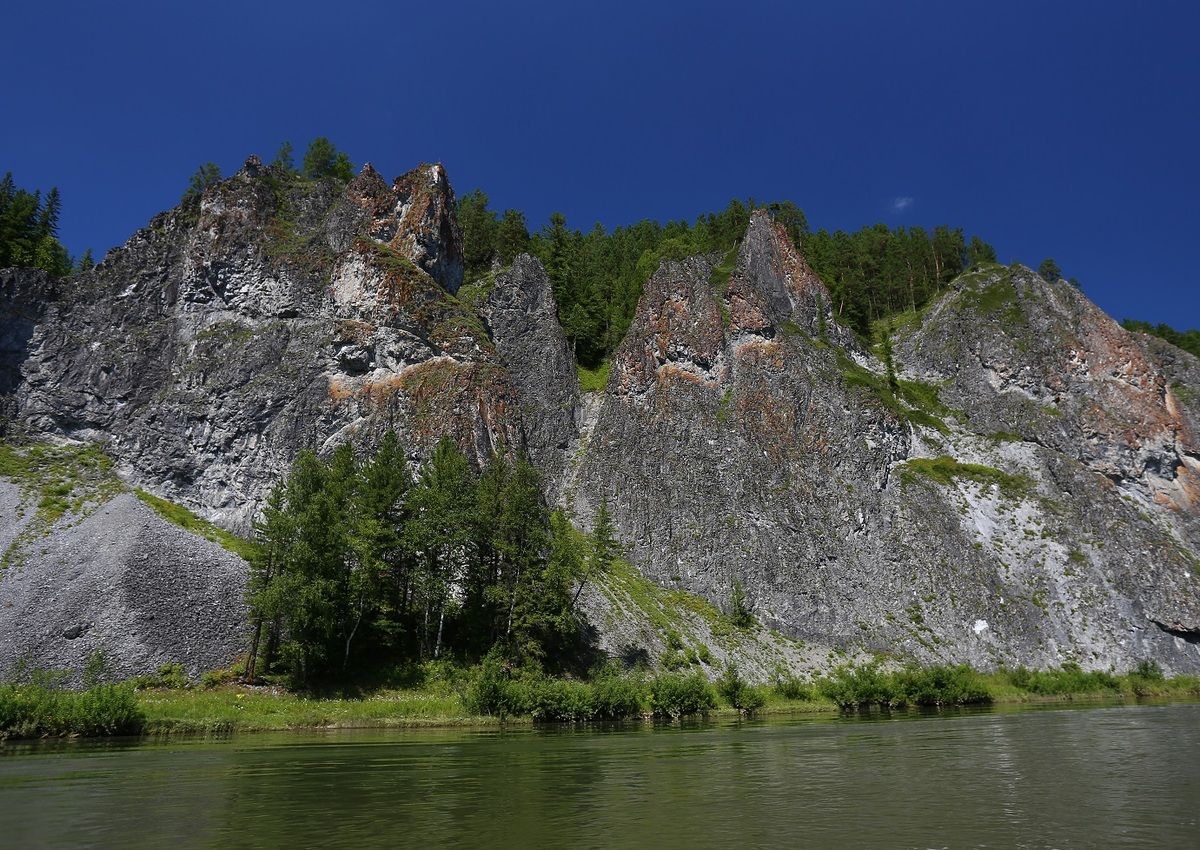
point(39, 705)
point(493, 693)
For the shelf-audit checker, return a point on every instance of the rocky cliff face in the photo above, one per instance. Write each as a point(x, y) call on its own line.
point(744, 436)
point(274, 314)
point(520, 312)
point(1023, 488)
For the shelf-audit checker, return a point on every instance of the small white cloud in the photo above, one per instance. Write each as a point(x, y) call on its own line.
point(901, 204)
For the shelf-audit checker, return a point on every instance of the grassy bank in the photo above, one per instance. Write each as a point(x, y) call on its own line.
point(491, 698)
point(232, 708)
point(491, 695)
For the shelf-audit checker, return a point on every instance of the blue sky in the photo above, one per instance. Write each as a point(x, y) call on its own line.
point(1057, 129)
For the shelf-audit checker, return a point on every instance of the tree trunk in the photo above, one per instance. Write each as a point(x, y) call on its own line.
point(252, 657)
point(437, 647)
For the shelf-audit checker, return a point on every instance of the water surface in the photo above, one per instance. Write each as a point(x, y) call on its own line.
point(1102, 777)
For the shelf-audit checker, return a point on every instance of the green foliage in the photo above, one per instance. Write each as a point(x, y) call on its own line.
point(877, 272)
point(792, 688)
point(675, 695)
point(284, 159)
point(1049, 270)
point(1188, 340)
point(323, 160)
point(488, 237)
point(1150, 670)
point(500, 691)
point(170, 676)
point(598, 276)
point(185, 519)
point(862, 687)
point(361, 566)
point(206, 175)
point(1068, 679)
point(86, 263)
point(42, 708)
point(737, 692)
point(740, 614)
point(593, 380)
point(945, 469)
point(29, 229)
point(920, 404)
point(979, 252)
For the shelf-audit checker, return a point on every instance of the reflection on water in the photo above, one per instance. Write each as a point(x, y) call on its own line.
point(1126, 776)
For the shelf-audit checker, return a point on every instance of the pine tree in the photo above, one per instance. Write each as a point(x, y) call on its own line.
point(1049, 270)
point(206, 175)
point(284, 159)
point(512, 237)
point(322, 160)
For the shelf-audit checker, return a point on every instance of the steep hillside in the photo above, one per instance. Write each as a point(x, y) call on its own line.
point(87, 567)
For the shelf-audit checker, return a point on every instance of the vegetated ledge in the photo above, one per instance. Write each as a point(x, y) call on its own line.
point(62, 478)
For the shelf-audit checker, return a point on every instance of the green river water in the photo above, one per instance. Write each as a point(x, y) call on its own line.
point(1125, 776)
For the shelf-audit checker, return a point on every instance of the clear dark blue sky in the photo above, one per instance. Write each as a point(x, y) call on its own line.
point(1068, 129)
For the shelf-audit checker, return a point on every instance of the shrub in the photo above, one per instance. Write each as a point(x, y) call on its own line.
point(673, 695)
point(493, 692)
point(1068, 679)
point(560, 699)
point(739, 608)
point(616, 697)
point(949, 685)
point(1148, 669)
point(672, 659)
point(737, 692)
point(35, 710)
point(790, 687)
point(853, 687)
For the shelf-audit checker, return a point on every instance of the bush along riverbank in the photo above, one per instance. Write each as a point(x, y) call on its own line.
point(41, 709)
point(494, 693)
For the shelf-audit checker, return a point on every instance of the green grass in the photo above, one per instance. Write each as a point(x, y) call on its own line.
point(188, 521)
point(72, 478)
point(491, 694)
point(914, 401)
point(944, 470)
point(593, 380)
point(723, 407)
point(1187, 395)
point(40, 709)
point(242, 709)
point(996, 297)
point(723, 271)
point(57, 479)
point(668, 611)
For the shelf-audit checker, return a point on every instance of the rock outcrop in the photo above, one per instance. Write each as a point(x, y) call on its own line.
point(745, 436)
point(523, 321)
point(1017, 484)
point(270, 315)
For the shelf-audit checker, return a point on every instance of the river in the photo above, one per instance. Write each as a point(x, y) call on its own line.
point(1125, 776)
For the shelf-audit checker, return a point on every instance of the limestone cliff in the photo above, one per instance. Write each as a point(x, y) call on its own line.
point(271, 315)
point(1022, 493)
point(1018, 485)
